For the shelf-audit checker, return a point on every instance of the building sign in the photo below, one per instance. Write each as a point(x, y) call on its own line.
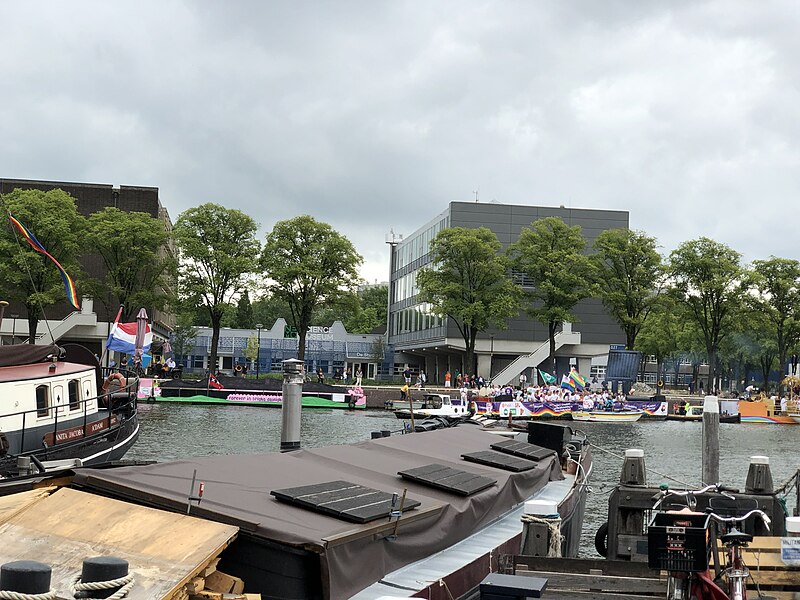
point(315, 332)
point(616, 347)
point(289, 331)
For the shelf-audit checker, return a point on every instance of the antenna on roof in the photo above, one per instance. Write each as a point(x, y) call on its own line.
point(476, 194)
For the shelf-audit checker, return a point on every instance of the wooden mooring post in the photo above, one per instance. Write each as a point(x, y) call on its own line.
point(710, 459)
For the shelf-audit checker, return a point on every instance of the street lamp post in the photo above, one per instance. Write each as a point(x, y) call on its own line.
point(259, 326)
point(14, 328)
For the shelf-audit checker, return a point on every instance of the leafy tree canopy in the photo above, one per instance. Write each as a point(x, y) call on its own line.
point(309, 266)
point(29, 277)
point(707, 277)
point(218, 248)
point(132, 248)
point(627, 272)
point(469, 282)
point(549, 254)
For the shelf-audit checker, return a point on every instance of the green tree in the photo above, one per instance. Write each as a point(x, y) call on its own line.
point(777, 281)
point(658, 335)
point(183, 339)
point(627, 269)
point(309, 266)
point(549, 254)
point(268, 309)
point(252, 349)
point(30, 277)
point(133, 248)
point(244, 312)
point(707, 277)
point(218, 249)
point(469, 283)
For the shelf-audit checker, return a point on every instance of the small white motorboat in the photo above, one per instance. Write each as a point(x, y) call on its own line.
point(436, 405)
point(608, 416)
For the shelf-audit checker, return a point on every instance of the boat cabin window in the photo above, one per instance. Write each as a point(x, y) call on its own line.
point(42, 401)
point(74, 394)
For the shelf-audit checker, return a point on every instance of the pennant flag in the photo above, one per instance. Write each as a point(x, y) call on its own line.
point(547, 378)
point(214, 382)
point(576, 378)
point(123, 337)
point(69, 285)
point(567, 383)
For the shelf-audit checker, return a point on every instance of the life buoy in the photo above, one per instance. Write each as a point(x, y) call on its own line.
point(238, 368)
point(118, 377)
point(660, 383)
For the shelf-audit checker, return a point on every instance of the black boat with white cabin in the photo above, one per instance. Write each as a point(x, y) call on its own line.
point(59, 408)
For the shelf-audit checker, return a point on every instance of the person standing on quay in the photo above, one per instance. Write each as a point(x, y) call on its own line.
point(358, 376)
point(447, 377)
point(522, 380)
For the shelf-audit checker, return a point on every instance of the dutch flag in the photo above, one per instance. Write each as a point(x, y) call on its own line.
point(123, 337)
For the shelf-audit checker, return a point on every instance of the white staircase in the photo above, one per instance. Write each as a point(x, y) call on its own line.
point(86, 317)
point(565, 337)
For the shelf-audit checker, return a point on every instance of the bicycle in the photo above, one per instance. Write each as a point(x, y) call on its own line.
point(681, 542)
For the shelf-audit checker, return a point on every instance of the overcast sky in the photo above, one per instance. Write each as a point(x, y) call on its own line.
point(374, 115)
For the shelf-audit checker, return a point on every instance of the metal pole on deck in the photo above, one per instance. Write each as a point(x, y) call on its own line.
point(710, 440)
point(291, 404)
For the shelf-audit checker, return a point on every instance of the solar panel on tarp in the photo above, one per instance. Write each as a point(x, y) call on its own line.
point(449, 479)
point(522, 449)
point(344, 500)
point(499, 460)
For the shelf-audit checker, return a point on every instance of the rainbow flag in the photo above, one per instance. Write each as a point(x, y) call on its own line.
point(576, 378)
point(566, 382)
point(69, 285)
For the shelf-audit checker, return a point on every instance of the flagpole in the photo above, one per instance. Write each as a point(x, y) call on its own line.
point(105, 350)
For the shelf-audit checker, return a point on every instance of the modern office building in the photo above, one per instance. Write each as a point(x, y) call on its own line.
point(422, 340)
point(90, 325)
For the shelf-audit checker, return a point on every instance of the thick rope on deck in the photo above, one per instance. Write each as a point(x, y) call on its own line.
point(6, 595)
point(79, 589)
point(553, 533)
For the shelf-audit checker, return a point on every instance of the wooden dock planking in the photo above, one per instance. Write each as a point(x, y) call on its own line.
point(14, 504)
point(165, 550)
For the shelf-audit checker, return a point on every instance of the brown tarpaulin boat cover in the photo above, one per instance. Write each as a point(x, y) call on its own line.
point(237, 491)
point(27, 354)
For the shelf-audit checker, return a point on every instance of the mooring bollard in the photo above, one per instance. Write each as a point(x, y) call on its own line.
point(102, 577)
point(710, 458)
point(291, 404)
point(541, 529)
point(25, 577)
point(633, 469)
point(759, 476)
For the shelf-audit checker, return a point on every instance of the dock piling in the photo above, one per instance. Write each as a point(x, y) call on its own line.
point(292, 404)
point(710, 458)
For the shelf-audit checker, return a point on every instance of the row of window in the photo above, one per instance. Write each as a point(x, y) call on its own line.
point(414, 318)
point(44, 397)
point(417, 247)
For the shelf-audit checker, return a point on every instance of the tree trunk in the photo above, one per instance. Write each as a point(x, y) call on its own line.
point(659, 363)
point(630, 339)
point(469, 346)
point(712, 371)
point(301, 344)
point(215, 325)
point(33, 325)
point(551, 330)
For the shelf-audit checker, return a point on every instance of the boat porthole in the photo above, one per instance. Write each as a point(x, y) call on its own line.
point(601, 540)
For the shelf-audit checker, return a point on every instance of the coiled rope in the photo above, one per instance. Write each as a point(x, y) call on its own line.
point(6, 595)
point(553, 531)
point(79, 589)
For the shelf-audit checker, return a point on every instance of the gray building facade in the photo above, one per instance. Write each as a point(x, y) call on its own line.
point(425, 341)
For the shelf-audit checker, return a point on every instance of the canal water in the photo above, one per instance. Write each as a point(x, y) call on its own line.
point(672, 449)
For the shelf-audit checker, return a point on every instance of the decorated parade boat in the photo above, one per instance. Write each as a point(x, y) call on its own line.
point(57, 404)
point(607, 416)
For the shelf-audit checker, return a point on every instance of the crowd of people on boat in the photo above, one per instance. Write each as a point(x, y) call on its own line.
point(590, 399)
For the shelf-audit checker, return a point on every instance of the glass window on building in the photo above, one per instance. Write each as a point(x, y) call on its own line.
point(197, 361)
